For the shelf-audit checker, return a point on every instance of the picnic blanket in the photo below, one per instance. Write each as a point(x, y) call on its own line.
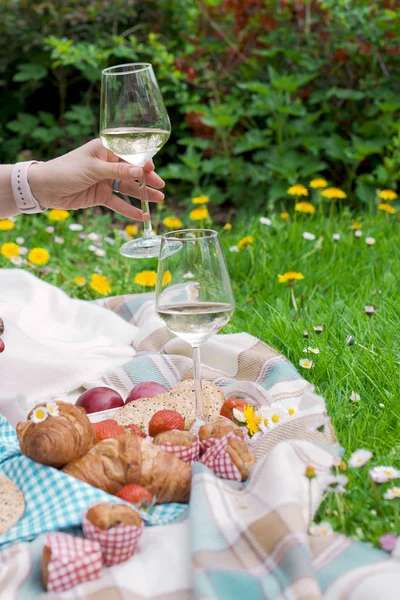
point(238, 541)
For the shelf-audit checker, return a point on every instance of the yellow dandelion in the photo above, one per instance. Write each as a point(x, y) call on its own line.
point(387, 195)
point(172, 222)
point(167, 278)
point(57, 214)
point(146, 278)
point(386, 208)
point(9, 250)
point(305, 207)
point(199, 214)
point(245, 242)
point(200, 200)
point(284, 215)
point(290, 276)
point(333, 193)
point(318, 182)
point(297, 190)
point(227, 227)
point(356, 225)
point(100, 284)
point(6, 224)
point(38, 256)
point(252, 419)
point(131, 230)
point(81, 281)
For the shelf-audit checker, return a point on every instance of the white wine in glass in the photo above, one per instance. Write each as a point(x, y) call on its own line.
point(193, 294)
point(134, 125)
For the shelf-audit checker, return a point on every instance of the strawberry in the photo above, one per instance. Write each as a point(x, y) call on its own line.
point(135, 493)
point(229, 405)
point(165, 420)
point(108, 428)
point(135, 429)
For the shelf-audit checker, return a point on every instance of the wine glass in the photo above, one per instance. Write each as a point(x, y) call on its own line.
point(193, 293)
point(134, 124)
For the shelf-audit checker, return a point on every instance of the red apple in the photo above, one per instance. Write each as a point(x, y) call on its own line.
point(147, 389)
point(99, 398)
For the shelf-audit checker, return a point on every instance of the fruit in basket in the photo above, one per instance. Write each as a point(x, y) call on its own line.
point(99, 398)
point(229, 405)
point(107, 428)
point(147, 389)
point(165, 420)
point(2, 346)
point(135, 429)
point(136, 494)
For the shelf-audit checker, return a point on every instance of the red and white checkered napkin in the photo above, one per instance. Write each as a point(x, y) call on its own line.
point(188, 454)
point(117, 544)
point(73, 560)
point(218, 460)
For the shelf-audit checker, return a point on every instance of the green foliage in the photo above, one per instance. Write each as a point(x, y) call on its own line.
point(261, 93)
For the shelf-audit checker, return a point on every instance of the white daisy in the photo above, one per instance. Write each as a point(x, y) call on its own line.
point(323, 528)
point(23, 250)
point(58, 239)
point(318, 329)
point(109, 241)
point(354, 397)
point(308, 236)
point(358, 233)
point(75, 227)
point(359, 458)
point(94, 237)
point(305, 363)
point(265, 221)
point(370, 241)
point(313, 350)
point(82, 236)
point(20, 240)
point(239, 416)
point(369, 310)
point(337, 483)
point(188, 275)
point(17, 260)
point(92, 248)
point(50, 229)
point(39, 414)
point(52, 409)
point(382, 474)
point(336, 237)
point(234, 249)
point(392, 493)
point(98, 271)
point(99, 252)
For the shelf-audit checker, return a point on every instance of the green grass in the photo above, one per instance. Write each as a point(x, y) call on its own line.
point(340, 278)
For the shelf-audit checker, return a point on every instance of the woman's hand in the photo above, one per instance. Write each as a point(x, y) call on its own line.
point(84, 178)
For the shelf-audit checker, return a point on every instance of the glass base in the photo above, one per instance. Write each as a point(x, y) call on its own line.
point(144, 247)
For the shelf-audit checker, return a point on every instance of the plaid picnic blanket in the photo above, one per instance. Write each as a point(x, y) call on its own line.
point(239, 541)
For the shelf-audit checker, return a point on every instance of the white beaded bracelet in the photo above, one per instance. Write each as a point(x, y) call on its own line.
point(23, 197)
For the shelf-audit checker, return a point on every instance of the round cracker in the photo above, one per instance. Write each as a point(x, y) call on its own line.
point(12, 504)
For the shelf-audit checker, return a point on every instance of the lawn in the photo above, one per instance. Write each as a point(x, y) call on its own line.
point(341, 278)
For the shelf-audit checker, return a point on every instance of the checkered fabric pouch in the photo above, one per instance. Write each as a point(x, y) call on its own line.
point(188, 454)
point(218, 460)
point(54, 500)
point(73, 560)
point(117, 544)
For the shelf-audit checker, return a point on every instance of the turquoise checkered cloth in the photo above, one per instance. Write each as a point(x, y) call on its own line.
point(54, 500)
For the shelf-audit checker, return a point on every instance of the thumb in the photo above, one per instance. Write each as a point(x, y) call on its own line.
point(116, 170)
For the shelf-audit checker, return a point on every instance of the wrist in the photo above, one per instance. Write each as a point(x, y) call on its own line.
point(37, 182)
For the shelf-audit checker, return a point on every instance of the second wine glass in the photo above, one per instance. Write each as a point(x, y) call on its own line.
point(193, 294)
point(134, 125)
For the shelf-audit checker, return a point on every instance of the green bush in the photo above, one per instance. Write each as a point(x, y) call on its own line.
point(262, 94)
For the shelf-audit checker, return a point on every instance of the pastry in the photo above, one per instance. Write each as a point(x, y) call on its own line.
point(218, 429)
point(127, 458)
point(56, 433)
point(107, 515)
point(176, 437)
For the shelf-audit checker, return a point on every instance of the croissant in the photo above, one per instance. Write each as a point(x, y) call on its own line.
point(127, 458)
point(218, 429)
point(58, 439)
point(107, 515)
point(176, 437)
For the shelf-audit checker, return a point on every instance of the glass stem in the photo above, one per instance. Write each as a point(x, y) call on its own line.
point(147, 228)
point(198, 391)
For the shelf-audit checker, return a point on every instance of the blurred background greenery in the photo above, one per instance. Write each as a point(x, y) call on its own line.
point(262, 94)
